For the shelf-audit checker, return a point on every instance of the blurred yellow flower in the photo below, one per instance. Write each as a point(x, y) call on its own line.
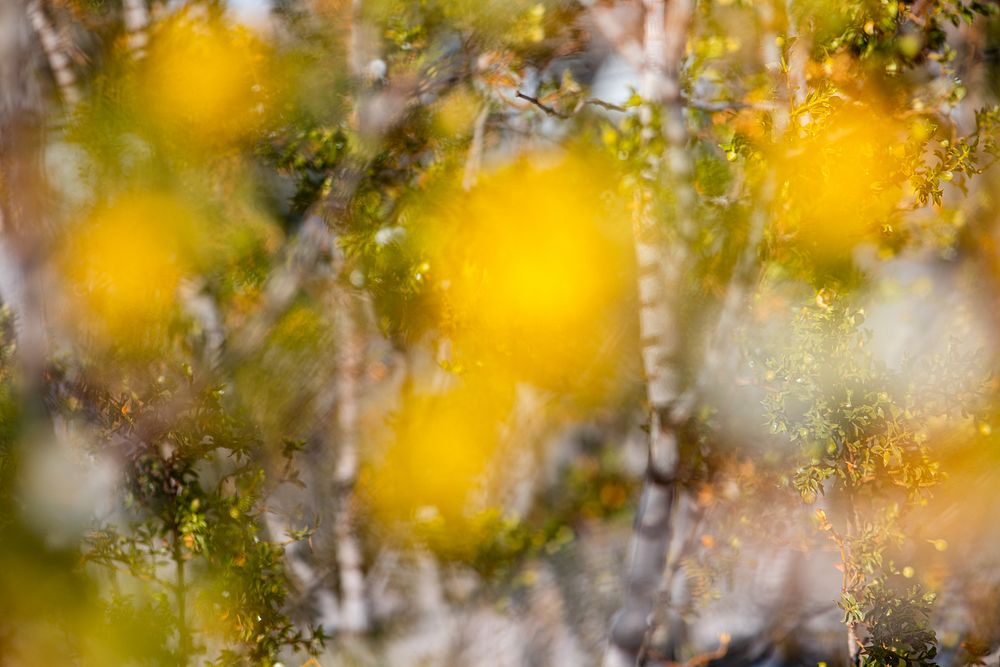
point(531, 267)
point(438, 458)
point(203, 79)
point(125, 261)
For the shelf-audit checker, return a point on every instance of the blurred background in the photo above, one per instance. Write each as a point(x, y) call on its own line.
point(329, 334)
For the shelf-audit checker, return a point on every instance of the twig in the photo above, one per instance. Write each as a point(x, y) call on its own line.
point(725, 105)
point(700, 105)
point(541, 105)
point(605, 105)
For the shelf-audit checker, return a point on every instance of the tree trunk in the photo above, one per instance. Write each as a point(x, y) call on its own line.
point(661, 268)
point(350, 369)
point(22, 186)
point(55, 53)
point(136, 19)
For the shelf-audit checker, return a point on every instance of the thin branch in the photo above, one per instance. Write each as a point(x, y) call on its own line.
point(724, 105)
point(736, 299)
point(700, 105)
point(605, 105)
point(541, 105)
point(306, 578)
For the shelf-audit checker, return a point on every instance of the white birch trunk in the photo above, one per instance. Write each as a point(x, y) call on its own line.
point(354, 606)
point(661, 269)
point(136, 19)
point(55, 53)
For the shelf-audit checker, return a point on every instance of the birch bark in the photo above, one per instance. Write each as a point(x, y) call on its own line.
point(136, 19)
point(661, 268)
point(55, 53)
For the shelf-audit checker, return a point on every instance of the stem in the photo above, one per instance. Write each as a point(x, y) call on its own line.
point(853, 527)
point(853, 645)
point(852, 640)
point(180, 591)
